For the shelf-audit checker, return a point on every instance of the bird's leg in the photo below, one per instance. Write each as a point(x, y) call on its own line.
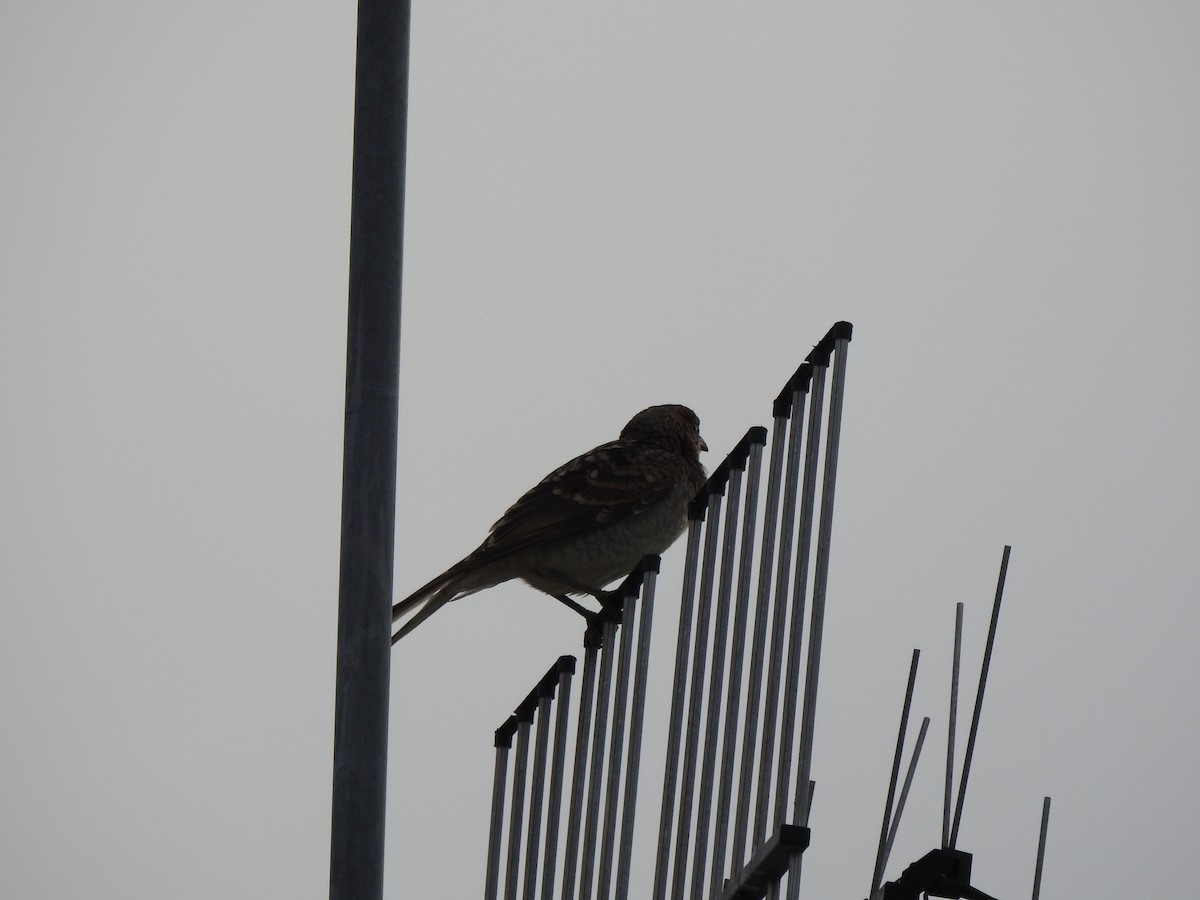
point(578, 607)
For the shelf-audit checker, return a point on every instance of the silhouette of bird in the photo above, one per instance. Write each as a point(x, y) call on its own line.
point(587, 523)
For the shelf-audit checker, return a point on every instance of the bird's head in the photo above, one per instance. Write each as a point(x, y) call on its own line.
point(672, 426)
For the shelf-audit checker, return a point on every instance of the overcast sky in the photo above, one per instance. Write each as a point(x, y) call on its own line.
point(607, 209)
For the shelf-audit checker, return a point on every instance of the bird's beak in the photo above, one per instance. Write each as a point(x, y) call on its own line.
point(703, 446)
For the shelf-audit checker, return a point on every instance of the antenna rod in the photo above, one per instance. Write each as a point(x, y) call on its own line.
point(360, 725)
point(1037, 871)
point(953, 724)
point(877, 875)
point(987, 659)
point(908, 777)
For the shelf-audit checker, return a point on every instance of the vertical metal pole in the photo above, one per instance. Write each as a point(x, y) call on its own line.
point(712, 530)
point(517, 804)
point(791, 689)
point(504, 735)
point(369, 452)
point(881, 852)
point(952, 726)
point(596, 766)
point(1041, 854)
point(640, 673)
point(537, 795)
point(579, 773)
point(566, 670)
point(616, 746)
point(770, 724)
point(762, 614)
point(667, 819)
point(733, 697)
point(839, 336)
point(716, 678)
point(983, 673)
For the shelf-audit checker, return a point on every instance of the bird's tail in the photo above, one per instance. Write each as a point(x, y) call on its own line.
point(429, 598)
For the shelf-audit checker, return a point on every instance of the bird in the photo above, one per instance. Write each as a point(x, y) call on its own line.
point(587, 523)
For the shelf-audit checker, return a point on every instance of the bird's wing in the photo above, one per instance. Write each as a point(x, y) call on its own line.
point(600, 488)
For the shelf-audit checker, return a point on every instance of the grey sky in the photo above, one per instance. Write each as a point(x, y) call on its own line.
point(607, 209)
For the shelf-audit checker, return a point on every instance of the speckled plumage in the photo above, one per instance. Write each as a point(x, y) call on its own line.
point(587, 523)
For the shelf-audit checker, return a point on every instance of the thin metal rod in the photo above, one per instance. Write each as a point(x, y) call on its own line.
point(796, 863)
point(596, 766)
point(716, 680)
point(678, 697)
point(881, 851)
point(616, 748)
point(908, 777)
point(557, 765)
point(537, 794)
point(754, 691)
point(737, 655)
point(952, 726)
point(637, 715)
point(1041, 854)
point(770, 720)
point(791, 690)
point(491, 883)
point(983, 672)
point(696, 694)
point(516, 809)
point(360, 726)
point(816, 631)
point(579, 773)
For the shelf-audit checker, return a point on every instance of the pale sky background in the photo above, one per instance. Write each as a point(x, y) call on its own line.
point(607, 209)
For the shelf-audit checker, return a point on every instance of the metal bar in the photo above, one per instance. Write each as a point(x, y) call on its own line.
point(733, 696)
point(983, 672)
point(796, 863)
point(839, 336)
point(716, 678)
point(579, 773)
point(758, 643)
point(791, 690)
point(1041, 854)
point(696, 693)
point(537, 794)
point(596, 766)
point(678, 696)
point(499, 780)
point(566, 671)
point(516, 810)
point(908, 777)
point(767, 759)
point(881, 851)
point(637, 713)
point(360, 726)
point(952, 726)
point(616, 747)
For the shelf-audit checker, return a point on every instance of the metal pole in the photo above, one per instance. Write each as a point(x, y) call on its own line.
point(369, 452)
point(733, 697)
point(716, 677)
point(516, 810)
point(953, 724)
point(596, 766)
point(504, 735)
point(712, 530)
point(762, 613)
point(566, 670)
point(767, 760)
point(579, 773)
point(908, 777)
point(791, 689)
point(678, 695)
point(640, 673)
point(983, 673)
point(839, 336)
point(537, 796)
point(1041, 854)
point(881, 852)
point(616, 746)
